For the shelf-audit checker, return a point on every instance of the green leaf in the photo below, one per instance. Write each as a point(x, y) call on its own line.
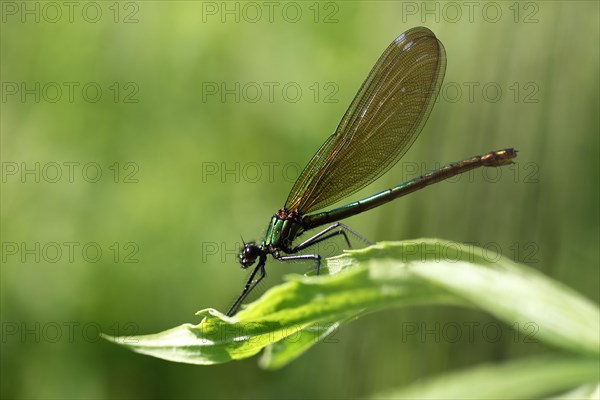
point(590, 391)
point(292, 317)
point(519, 379)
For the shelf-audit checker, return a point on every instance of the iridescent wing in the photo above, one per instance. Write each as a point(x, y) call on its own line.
point(382, 122)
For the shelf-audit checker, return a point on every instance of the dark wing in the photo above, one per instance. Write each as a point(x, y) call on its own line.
point(383, 121)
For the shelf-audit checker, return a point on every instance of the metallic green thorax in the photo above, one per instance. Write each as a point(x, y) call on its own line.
point(284, 227)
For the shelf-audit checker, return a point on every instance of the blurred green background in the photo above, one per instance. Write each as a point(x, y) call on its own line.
point(167, 215)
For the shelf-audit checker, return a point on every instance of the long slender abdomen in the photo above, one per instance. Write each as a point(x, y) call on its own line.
point(492, 159)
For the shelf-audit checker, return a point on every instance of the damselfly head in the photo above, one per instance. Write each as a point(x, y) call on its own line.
point(249, 254)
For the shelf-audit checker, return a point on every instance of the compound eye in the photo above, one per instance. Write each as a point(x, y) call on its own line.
point(249, 254)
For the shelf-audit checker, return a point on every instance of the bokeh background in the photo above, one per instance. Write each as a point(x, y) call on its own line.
point(205, 112)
